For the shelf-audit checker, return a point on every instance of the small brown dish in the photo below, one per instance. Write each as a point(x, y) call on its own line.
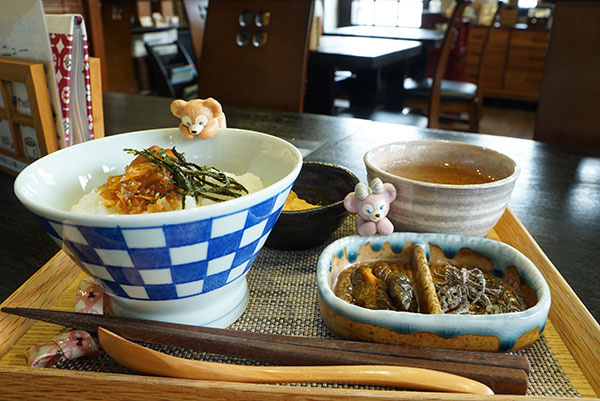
point(322, 184)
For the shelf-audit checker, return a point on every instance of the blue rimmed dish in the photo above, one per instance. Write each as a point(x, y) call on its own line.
point(500, 332)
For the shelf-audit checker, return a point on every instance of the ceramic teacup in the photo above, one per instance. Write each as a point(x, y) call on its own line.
point(471, 208)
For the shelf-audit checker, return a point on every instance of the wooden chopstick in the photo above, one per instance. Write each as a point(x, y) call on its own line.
point(505, 374)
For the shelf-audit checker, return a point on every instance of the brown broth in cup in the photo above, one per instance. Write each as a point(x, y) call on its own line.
point(439, 172)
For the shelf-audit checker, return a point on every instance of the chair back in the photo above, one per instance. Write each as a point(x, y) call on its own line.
point(255, 53)
point(195, 12)
point(484, 45)
point(440, 70)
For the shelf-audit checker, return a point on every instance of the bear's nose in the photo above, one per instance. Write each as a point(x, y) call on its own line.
point(194, 131)
point(377, 215)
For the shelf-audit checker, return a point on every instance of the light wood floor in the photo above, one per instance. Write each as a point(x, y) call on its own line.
point(504, 118)
point(514, 120)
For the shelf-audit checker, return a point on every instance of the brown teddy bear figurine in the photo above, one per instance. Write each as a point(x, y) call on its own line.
point(200, 118)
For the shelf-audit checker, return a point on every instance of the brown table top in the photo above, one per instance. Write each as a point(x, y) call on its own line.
point(425, 36)
point(557, 196)
point(354, 52)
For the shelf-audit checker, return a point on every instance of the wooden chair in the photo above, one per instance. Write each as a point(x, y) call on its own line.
point(255, 52)
point(438, 95)
point(195, 12)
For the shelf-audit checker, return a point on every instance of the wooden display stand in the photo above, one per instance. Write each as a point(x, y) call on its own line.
point(163, 67)
point(41, 119)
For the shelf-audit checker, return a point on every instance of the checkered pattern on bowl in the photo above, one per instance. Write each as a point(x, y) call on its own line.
point(170, 261)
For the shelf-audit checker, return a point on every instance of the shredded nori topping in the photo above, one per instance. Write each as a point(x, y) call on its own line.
point(192, 179)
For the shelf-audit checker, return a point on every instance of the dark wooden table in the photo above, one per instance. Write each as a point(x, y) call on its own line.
point(427, 37)
point(557, 196)
point(365, 57)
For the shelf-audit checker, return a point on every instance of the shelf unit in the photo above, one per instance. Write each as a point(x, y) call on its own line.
point(172, 70)
point(513, 63)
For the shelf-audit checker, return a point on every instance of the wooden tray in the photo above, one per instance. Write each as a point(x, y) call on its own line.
point(571, 331)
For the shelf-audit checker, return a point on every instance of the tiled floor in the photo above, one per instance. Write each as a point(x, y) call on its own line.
point(504, 118)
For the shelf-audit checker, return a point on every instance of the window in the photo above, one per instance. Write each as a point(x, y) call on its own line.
point(387, 12)
point(528, 3)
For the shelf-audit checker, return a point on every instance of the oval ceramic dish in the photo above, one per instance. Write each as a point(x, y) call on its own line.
point(501, 332)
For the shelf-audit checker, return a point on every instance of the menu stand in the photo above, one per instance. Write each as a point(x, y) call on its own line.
point(14, 158)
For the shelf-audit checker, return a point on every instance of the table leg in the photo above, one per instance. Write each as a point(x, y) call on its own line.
point(364, 91)
point(320, 90)
point(394, 86)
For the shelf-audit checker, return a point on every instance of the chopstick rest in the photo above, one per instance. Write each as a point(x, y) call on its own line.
point(145, 360)
point(70, 343)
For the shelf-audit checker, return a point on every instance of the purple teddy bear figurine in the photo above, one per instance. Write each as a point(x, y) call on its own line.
point(372, 204)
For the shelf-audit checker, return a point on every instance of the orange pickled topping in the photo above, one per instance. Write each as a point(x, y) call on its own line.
point(142, 188)
point(142, 159)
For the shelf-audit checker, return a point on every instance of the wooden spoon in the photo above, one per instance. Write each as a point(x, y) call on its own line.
point(145, 360)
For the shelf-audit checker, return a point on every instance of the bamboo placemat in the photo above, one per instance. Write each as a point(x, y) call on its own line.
point(284, 300)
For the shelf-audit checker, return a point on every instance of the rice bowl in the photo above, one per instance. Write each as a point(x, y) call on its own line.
point(184, 266)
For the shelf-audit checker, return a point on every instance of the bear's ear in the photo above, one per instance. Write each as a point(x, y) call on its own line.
point(177, 107)
point(390, 192)
point(350, 203)
point(213, 105)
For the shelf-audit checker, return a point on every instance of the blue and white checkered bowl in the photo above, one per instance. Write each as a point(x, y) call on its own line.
point(186, 266)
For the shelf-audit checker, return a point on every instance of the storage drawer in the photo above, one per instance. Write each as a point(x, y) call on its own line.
point(523, 81)
point(477, 36)
point(475, 48)
point(495, 56)
point(522, 58)
point(499, 37)
point(471, 73)
point(473, 59)
point(513, 63)
point(536, 39)
point(491, 78)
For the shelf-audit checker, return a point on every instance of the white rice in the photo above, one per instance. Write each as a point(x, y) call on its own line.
point(91, 203)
